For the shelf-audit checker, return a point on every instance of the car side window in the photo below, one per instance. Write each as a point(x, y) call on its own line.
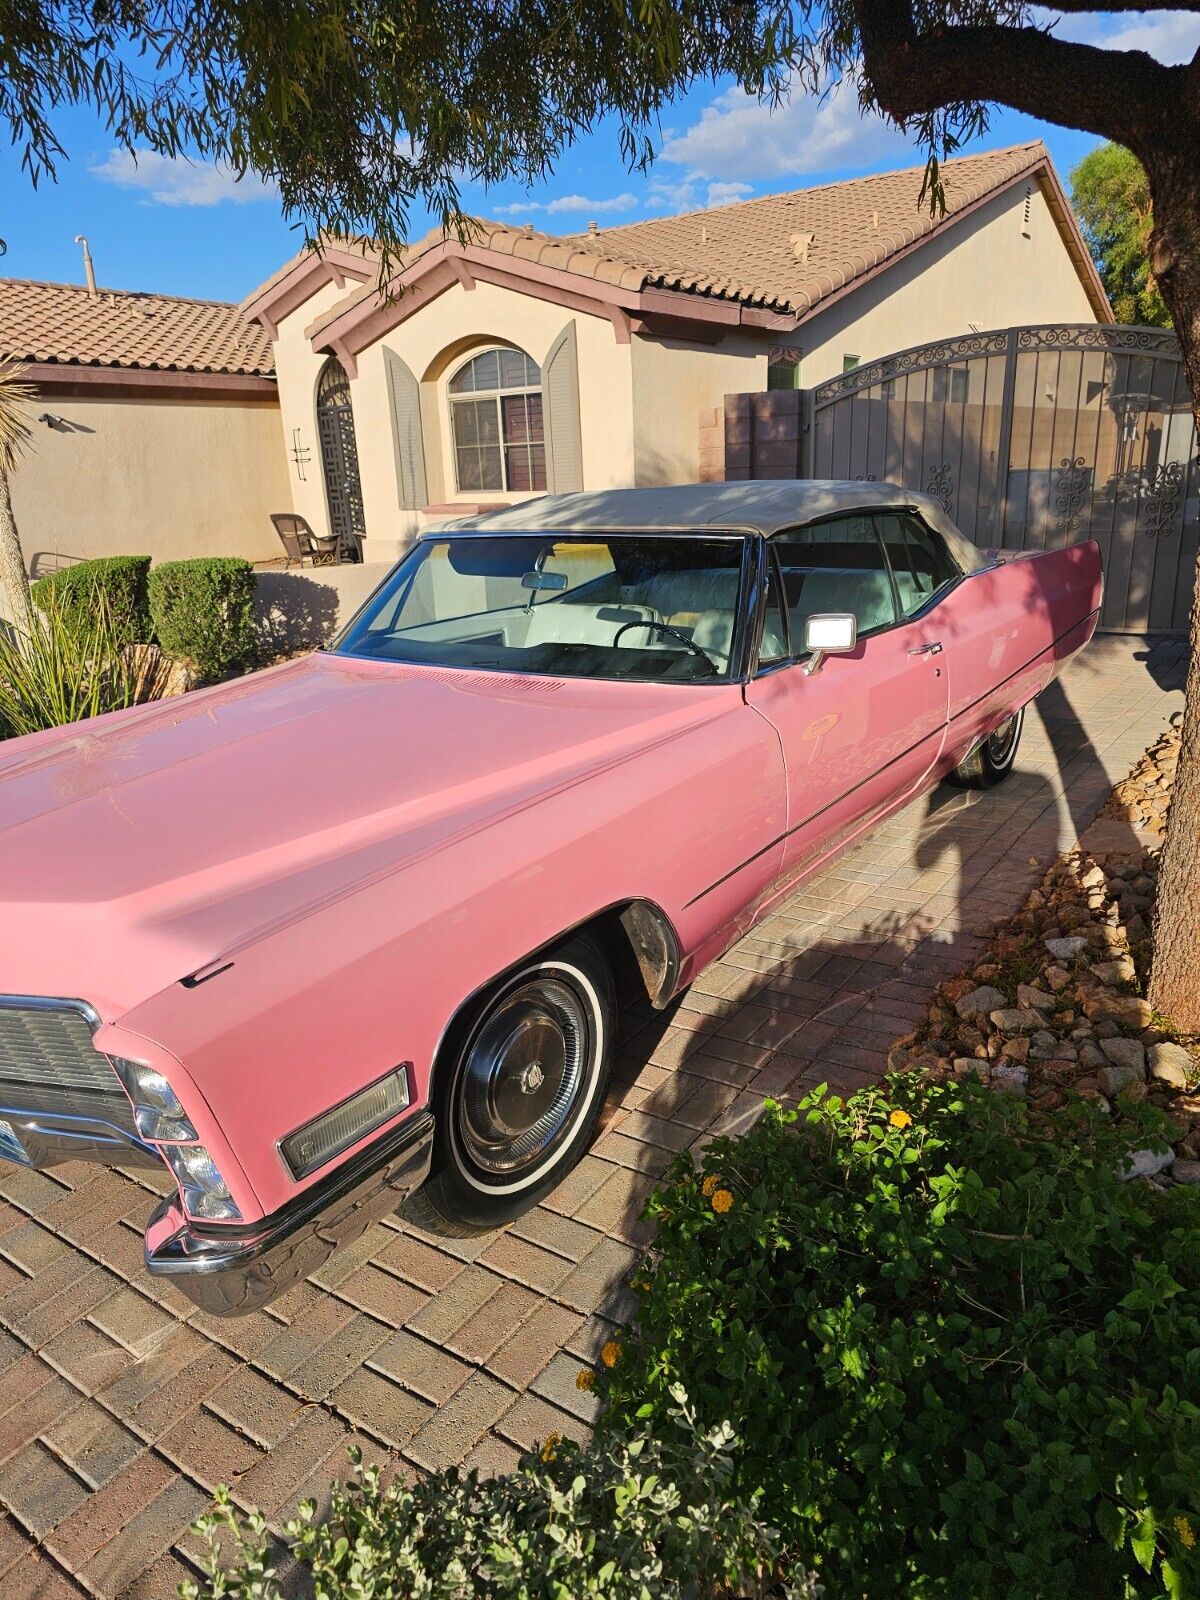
point(838, 565)
point(922, 564)
point(773, 646)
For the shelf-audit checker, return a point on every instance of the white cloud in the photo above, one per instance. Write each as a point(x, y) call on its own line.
point(692, 193)
point(176, 181)
point(723, 194)
point(738, 137)
point(1170, 36)
point(568, 202)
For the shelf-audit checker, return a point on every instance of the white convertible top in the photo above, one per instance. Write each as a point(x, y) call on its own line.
point(765, 505)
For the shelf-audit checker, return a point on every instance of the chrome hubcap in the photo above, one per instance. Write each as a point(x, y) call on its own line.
point(523, 1075)
point(1002, 742)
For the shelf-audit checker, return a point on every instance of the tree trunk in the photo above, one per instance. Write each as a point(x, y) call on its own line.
point(1175, 261)
point(14, 585)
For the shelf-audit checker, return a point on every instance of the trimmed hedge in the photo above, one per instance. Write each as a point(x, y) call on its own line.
point(203, 613)
point(118, 582)
point(962, 1354)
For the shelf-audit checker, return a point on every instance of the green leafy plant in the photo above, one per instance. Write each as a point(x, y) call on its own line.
point(203, 613)
point(71, 664)
point(119, 582)
point(962, 1353)
point(623, 1519)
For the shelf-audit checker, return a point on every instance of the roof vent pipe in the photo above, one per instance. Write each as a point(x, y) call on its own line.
point(89, 272)
point(593, 228)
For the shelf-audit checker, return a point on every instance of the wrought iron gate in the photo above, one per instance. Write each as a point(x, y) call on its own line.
point(339, 458)
point(1034, 438)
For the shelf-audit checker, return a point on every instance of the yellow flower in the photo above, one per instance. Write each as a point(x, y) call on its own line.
point(710, 1183)
point(550, 1446)
point(586, 1379)
point(610, 1354)
point(900, 1119)
point(722, 1201)
point(1184, 1529)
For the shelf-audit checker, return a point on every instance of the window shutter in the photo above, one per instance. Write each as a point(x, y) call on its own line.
point(404, 397)
point(560, 409)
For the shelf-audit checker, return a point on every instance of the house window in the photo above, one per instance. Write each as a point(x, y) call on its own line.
point(849, 363)
point(783, 368)
point(496, 421)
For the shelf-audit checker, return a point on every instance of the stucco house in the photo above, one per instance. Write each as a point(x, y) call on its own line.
point(519, 362)
point(156, 426)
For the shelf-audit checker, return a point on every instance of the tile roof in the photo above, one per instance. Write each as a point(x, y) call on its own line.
point(62, 322)
point(784, 252)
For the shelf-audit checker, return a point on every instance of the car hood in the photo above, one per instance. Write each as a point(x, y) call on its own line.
point(143, 847)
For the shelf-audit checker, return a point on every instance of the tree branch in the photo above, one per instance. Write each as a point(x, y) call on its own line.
point(1083, 6)
point(1121, 94)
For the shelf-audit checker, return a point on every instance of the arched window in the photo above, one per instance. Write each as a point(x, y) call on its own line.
point(496, 420)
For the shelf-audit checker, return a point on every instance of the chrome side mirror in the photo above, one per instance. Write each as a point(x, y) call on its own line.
point(828, 633)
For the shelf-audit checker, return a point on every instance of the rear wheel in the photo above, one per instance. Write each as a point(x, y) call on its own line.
point(992, 761)
point(520, 1091)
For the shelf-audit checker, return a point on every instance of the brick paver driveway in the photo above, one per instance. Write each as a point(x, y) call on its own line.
point(121, 1406)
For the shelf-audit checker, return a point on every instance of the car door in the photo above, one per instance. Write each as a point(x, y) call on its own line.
point(865, 729)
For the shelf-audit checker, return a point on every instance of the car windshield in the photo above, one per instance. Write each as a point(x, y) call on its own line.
point(645, 606)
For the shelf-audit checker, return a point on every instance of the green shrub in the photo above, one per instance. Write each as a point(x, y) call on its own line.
point(962, 1353)
point(203, 612)
point(116, 581)
point(70, 665)
point(622, 1520)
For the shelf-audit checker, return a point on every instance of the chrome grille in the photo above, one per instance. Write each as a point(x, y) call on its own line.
point(49, 1044)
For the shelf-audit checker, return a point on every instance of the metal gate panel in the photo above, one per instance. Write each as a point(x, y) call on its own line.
point(1033, 438)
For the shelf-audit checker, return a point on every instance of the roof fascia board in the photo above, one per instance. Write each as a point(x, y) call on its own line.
point(371, 316)
point(312, 271)
point(129, 382)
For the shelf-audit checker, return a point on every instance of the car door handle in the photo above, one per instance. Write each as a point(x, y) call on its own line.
point(934, 649)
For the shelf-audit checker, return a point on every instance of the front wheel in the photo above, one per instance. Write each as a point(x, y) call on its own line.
point(992, 761)
point(520, 1091)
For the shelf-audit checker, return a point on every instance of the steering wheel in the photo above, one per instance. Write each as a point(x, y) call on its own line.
point(675, 633)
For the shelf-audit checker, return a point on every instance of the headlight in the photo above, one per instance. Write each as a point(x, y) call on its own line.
point(200, 1183)
point(157, 1113)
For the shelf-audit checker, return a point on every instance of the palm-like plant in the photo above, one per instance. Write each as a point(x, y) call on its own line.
point(16, 396)
point(67, 666)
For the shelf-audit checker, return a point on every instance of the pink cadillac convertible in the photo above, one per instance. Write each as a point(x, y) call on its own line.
point(357, 925)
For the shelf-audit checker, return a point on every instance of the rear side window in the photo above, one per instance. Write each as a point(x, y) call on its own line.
point(920, 560)
point(837, 565)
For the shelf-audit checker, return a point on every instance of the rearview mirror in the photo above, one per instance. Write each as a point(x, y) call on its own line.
point(828, 633)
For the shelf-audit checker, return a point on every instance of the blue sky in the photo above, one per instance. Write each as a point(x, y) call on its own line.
point(179, 228)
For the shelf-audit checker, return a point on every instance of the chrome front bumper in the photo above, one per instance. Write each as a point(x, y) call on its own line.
point(230, 1269)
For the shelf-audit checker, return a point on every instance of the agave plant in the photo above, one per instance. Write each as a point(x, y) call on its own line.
point(63, 667)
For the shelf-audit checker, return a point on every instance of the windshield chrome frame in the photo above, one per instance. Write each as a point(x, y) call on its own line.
point(747, 612)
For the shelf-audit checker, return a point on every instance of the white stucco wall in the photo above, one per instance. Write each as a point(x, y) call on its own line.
point(433, 341)
point(672, 383)
point(297, 368)
point(168, 478)
point(982, 272)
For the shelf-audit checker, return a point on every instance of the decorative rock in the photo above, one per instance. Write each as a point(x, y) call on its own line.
point(1172, 1064)
point(1010, 1020)
point(1146, 1163)
point(1114, 1079)
point(1186, 1171)
point(1014, 1079)
point(1126, 1009)
point(1090, 1056)
point(1066, 949)
point(1044, 1046)
point(979, 1002)
point(1091, 1093)
point(1112, 973)
point(1027, 995)
point(964, 1066)
point(1016, 1050)
point(1126, 1053)
point(1057, 977)
point(1093, 878)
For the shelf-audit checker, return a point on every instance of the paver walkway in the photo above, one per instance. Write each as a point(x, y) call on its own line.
point(121, 1406)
